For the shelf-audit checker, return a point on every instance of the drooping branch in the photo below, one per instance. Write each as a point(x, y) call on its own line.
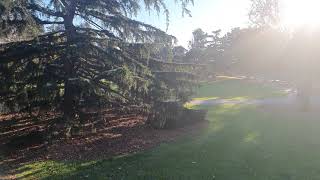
point(44, 10)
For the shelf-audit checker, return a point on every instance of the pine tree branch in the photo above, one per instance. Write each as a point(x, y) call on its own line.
point(47, 11)
point(44, 22)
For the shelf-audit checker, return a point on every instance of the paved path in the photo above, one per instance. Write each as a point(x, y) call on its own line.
point(290, 99)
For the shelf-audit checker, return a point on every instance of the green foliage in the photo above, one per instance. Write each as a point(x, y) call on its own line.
point(206, 47)
point(199, 39)
point(16, 21)
point(89, 55)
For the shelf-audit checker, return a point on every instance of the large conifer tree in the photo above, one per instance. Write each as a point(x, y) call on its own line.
point(85, 54)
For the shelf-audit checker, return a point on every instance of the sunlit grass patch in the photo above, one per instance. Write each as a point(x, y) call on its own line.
point(229, 108)
point(44, 169)
point(239, 98)
point(237, 88)
point(47, 169)
point(192, 105)
point(228, 78)
point(251, 137)
point(205, 98)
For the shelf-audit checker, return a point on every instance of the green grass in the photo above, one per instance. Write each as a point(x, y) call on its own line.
point(236, 88)
point(240, 143)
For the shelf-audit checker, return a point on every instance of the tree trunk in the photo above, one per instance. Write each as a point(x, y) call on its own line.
point(70, 88)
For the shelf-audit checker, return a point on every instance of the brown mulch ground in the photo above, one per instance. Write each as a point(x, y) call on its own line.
point(120, 135)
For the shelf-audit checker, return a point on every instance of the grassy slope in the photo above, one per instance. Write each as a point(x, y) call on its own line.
point(240, 143)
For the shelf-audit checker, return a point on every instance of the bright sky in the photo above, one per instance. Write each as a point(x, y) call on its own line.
point(297, 13)
point(209, 15)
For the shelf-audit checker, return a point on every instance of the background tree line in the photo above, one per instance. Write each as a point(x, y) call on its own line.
point(265, 49)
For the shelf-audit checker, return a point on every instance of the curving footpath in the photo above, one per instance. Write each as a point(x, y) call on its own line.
point(289, 100)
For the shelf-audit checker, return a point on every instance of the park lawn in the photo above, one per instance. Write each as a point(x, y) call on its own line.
point(237, 88)
point(241, 142)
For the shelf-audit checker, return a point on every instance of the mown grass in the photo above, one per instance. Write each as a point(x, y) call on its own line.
point(241, 142)
point(237, 88)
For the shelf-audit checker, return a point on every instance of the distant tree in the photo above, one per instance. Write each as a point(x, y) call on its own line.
point(214, 48)
point(179, 53)
point(215, 40)
point(206, 47)
point(197, 45)
point(264, 13)
point(199, 39)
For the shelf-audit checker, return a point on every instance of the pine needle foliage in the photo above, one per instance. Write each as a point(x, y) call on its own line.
point(86, 54)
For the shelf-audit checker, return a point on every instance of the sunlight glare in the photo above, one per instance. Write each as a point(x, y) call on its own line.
point(297, 13)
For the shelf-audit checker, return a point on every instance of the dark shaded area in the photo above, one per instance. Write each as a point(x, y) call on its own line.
point(34, 138)
point(172, 114)
point(118, 133)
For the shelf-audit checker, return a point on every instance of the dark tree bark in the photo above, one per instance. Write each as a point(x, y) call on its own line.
point(70, 89)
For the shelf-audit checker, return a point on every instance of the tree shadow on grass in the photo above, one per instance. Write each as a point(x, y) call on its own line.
point(169, 161)
point(84, 154)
